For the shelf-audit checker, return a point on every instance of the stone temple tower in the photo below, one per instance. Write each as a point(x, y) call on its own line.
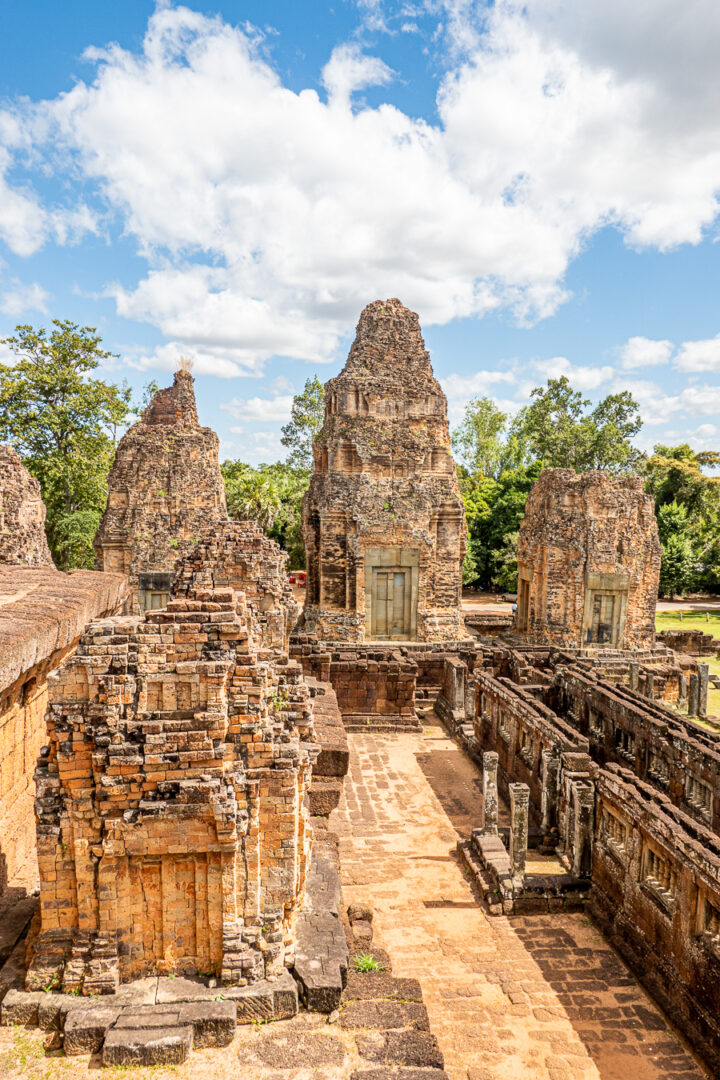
point(383, 520)
point(588, 562)
point(22, 514)
point(164, 488)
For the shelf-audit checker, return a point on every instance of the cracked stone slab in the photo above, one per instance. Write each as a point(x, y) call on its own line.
point(154, 1045)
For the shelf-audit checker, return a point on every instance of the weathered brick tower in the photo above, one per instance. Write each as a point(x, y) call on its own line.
point(172, 825)
point(383, 520)
point(164, 488)
point(588, 562)
point(22, 515)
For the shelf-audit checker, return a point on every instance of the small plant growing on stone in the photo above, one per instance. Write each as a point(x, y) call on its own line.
point(367, 962)
point(174, 544)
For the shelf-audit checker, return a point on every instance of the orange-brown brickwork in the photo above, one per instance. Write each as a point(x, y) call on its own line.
point(42, 615)
point(588, 561)
point(238, 554)
point(22, 515)
point(172, 827)
point(383, 520)
point(164, 488)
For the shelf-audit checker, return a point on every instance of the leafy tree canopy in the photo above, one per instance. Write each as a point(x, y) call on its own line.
point(64, 423)
point(306, 418)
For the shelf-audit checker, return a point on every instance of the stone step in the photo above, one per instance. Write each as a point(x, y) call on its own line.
point(147, 1046)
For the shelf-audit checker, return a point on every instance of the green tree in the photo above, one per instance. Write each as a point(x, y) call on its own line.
point(306, 418)
point(557, 429)
point(678, 563)
point(63, 422)
point(250, 493)
point(478, 438)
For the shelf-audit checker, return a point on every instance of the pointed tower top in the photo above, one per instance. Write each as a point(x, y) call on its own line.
point(174, 404)
point(388, 341)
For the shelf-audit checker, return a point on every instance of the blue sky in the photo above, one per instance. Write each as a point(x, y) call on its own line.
point(538, 180)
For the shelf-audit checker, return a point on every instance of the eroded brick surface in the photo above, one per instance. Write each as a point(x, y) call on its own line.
point(22, 515)
point(384, 497)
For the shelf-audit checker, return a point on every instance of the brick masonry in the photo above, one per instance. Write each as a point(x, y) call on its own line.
point(384, 494)
point(22, 515)
point(164, 489)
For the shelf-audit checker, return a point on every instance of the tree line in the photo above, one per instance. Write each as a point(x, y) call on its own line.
point(65, 423)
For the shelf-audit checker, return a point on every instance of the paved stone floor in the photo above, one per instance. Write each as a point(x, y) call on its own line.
point(541, 997)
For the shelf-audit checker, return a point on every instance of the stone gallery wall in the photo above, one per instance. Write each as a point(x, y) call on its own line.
point(22, 515)
point(42, 615)
point(164, 488)
point(172, 828)
point(588, 561)
point(383, 520)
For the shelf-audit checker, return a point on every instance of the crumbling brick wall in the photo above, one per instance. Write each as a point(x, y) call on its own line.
point(22, 515)
point(588, 561)
point(172, 825)
point(42, 615)
point(384, 497)
point(164, 489)
point(240, 556)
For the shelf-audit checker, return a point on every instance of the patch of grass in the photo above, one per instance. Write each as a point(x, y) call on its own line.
point(366, 962)
point(695, 620)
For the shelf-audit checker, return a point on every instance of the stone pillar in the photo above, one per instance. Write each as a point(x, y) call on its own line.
point(682, 688)
point(693, 694)
point(650, 685)
point(551, 772)
point(490, 793)
point(519, 813)
point(703, 672)
point(584, 805)
point(634, 674)
point(469, 699)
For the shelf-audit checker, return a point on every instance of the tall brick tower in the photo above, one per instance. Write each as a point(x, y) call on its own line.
point(165, 486)
point(383, 520)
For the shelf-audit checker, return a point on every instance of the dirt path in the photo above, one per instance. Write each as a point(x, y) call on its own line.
point(527, 998)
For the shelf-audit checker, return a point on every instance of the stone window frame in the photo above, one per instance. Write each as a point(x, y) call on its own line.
point(694, 787)
point(504, 725)
point(625, 744)
point(612, 827)
point(658, 879)
point(525, 747)
point(659, 775)
point(596, 725)
point(709, 928)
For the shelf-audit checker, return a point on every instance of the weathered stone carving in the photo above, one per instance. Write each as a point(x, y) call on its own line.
point(42, 615)
point(172, 830)
point(164, 488)
point(22, 515)
point(383, 520)
point(588, 561)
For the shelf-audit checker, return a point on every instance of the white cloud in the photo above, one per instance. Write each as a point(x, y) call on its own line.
point(255, 448)
point(639, 352)
point(476, 385)
point(701, 400)
point(268, 217)
point(699, 355)
point(706, 431)
point(581, 378)
point(257, 408)
point(349, 70)
point(220, 362)
point(20, 298)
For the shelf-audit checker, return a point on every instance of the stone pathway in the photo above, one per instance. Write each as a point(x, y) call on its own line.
point(542, 997)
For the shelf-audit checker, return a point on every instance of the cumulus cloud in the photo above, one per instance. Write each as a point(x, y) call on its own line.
point(582, 378)
point(476, 385)
point(699, 355)
point(639, 352)
point(256, 408)
point(269, 217)
point(20, 298)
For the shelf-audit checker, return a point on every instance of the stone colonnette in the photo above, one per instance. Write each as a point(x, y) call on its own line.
point(164, 488)
point(383, 520)
point(22, 515)
point(588, 562)
point(42, 615)
point(172, 831)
